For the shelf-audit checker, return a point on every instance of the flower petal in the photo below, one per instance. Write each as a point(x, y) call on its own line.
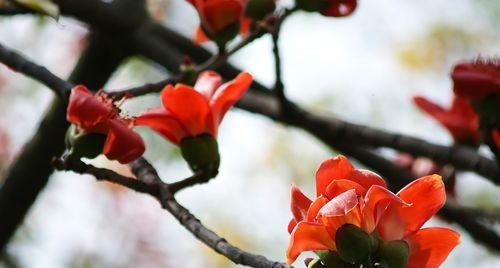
point(366, 178)
point(308, 236)
point(376, 201)
point(122, 143)
point(207, 83)
point(332, 169)
point(200, 36)
point(216, 15)
point(228, 94)
point(426, 196)
point(340, 205)
point(299, 204)
point(337, 187)
point(85, 110)
point(164, 123)
point(189, 107)
point(314, 208)
point(429, 247)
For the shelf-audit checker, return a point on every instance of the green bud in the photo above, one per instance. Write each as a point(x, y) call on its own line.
point(353, 244)
point(331, 259)
point(393, 254)
point(315, 264)
point(259, 9)
point(222, 37)
point(201, 153)
point(88, 145)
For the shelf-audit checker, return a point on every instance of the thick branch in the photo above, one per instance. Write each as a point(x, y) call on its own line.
point(148, 182)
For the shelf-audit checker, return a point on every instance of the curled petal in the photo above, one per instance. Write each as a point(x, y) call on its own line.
point(164, 123)
point(376, 201)
point(313, 211)
point(366, 178)
point(426, 196)
point(332, 169)
point(189, 107)
point(228, 94)
point(337, 187)
point(85, 110)
point(299, 204)
point(340, 205)
point(429, 247)
point(308, 236)
point(291, 225)
point(207, 83)
point(122, 143)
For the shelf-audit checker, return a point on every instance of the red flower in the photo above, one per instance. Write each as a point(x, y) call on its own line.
point(350, 196)
point(218, 16)
point(189, 112)
point(460, 119)
point(477, 80)
point(98, 115)
point(338, 8)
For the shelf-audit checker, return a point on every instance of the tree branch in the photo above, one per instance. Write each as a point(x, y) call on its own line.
point(150, 183)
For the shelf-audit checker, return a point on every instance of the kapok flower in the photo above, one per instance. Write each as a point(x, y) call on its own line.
point(99, 128)
point(220, 20)
point(477, 80)
point(190, 116)
point(349, 197)
point(329, 8)
point(460, 119)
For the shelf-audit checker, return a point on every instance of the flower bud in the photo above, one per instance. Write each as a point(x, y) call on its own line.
point(225, 35)
point(259, 9)
point(393, 254)
point(353, 244)
point(201, 153)
point(80, 144)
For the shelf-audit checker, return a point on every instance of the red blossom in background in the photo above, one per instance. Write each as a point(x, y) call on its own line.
point(496, 137)
point(350, 196)
point(98, 115)
point(338, 8)
point(217, 16)
point(460, 119)
point(191, 111)
point(477, 80)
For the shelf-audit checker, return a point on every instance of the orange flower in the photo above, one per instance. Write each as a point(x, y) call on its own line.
point(219, 17)
point(99, 115)
point(477, 80)
point(189, 112)
point(351, 196)
point(460, 119)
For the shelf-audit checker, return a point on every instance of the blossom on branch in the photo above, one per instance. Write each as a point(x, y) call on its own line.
point(460, 119)
point(99, 128)
point(220, 20)
point(190, 116)
point(355, 219)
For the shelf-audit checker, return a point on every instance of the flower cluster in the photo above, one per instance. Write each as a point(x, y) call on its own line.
point(355, 219)
point(476, 104)
point(189, 118)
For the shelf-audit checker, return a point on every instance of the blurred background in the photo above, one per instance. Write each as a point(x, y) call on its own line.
point(364, 68)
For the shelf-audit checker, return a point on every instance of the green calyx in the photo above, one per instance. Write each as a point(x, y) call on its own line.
point(223, 36)
point(80, 144)
point(259, 9)
point(392, 254)
point(201, 153)
point(316, 263)
point(353, 244)
point(331, 259)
